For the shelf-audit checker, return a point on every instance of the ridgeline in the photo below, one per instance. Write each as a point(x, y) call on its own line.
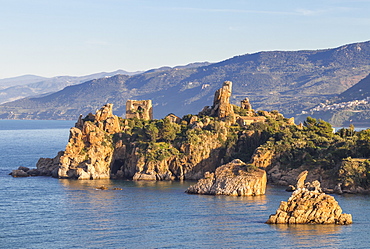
point(288, 81)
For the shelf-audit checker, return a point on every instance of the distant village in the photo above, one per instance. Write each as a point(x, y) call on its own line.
point(342, 105)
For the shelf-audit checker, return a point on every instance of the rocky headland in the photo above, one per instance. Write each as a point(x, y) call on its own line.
point(103, 145)
point(235, 178)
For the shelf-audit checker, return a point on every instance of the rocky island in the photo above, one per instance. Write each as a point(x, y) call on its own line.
point(138, 147)
point(235, 178)
point(309, 205)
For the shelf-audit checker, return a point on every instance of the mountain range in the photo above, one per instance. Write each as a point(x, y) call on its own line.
point(288, 81)
point(32, 85)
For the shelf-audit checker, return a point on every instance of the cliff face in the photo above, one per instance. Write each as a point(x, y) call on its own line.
point(102, 145)
point(89, 151)
point(192, 160)
point(234, 178)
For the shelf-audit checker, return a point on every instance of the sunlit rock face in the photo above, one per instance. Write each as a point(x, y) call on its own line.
point(234, 178)
point(221, 104)
point(89, 151)
point(308, 205)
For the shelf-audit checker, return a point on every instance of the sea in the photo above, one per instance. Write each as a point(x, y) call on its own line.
point(45, 212)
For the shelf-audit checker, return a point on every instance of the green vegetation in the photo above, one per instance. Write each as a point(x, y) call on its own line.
point(355, 172)
point(312, 144)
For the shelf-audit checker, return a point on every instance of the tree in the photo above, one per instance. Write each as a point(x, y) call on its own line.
point(152, 132)
point(169, 130)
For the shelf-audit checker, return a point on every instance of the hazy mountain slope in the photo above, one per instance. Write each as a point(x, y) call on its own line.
point(350, 107)
point(359, 91)
point(32, 86)
point(20, 80)
point(289, 81)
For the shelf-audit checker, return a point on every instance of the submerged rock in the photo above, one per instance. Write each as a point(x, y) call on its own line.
point(234, 178)
point(308, 205)
point(19, 173)
point(102, 188)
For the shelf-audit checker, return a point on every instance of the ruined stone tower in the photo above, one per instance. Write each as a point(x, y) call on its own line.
point(141, 109)
point(244, 104)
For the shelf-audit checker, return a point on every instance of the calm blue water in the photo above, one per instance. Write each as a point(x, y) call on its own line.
point(43, 212)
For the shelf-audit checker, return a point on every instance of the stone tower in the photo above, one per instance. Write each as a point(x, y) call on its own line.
point(244, 104)
point(141, 109)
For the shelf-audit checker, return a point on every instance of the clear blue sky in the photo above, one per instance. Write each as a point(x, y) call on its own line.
point(80, 37)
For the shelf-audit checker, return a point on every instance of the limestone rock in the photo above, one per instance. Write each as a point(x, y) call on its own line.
point(101, 188)
point(301, 178)
point(221, 104)
point(89, 150)
point(130, 162)
point(144, 177)
point(262, 157)
point(308, 205)
point(233, 178)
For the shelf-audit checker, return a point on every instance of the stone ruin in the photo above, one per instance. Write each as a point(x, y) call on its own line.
point(244, 104)
point(141, 109)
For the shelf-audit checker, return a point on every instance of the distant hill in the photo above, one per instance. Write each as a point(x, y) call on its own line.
point(20, 80)
point(188, 66)
point(350, 107)
point(288, 81)
point(359, 91)
point(31, 85)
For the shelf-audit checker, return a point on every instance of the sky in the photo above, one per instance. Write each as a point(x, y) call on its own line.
point(80, 37)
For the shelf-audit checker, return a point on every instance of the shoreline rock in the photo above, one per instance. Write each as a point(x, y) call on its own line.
point(20, 172)
point(309, 205)
point(235, 179)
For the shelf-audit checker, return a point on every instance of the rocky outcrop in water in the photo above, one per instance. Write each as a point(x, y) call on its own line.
point(102, 145)
point(49, 166)
point(89, 150)
point(91, 153)
point(235, 178)
point(20, 172)
point(308, 205)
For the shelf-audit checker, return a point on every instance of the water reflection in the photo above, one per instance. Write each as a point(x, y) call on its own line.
point(93, 208)
point(305, 235)
point(144, 210)
point(86, 184)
